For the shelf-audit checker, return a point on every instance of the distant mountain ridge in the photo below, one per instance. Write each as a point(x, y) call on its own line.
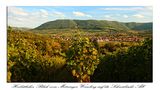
point(21, 28)
point(139, 26)
point(93, 24)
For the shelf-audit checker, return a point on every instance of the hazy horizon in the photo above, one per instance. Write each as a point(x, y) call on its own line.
point(33, 16)
point(70, 19)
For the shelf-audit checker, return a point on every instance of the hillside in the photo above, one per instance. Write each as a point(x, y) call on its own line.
point(83, 24)
point(58, 24)
point(94, 25)
point(139, 26)
point(21, 28)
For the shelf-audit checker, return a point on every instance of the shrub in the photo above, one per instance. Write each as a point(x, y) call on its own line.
point(133, 65)
point(82, 59)
point(32, 57)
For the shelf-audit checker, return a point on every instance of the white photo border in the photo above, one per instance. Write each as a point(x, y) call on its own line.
point(3, 39)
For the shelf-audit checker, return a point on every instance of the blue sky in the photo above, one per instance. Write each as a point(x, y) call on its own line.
point(33, 16)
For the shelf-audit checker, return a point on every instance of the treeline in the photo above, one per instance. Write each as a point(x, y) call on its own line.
point(94, 25)
point(83, 24)
point(38, 58)
point(133, 65)
point(139, 26)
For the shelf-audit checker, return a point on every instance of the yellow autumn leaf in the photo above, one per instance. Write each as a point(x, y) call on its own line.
point(74, 72)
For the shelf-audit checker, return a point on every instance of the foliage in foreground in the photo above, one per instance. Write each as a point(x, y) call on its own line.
point(82, 59)
point(133, 65)
point(38, 58)
point(33, 57)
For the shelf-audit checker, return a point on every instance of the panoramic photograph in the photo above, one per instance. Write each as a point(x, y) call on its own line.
point(79, 44)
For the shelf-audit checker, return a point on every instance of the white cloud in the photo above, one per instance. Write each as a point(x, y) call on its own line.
point(17, 11)
point(118, 14)
point(58, 14)
point(125, 16)
point(121, 9)
point(11, 18)
point(145, 12)
point(19, 17)
point(88, 16)
point(148, 8)
point(148, 11)
point(43, 13)
point(138, 16)
point(81, 14)
point(107, 16)
point(78, 14)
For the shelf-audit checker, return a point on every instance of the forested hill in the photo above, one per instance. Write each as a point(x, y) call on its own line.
point(83, 24)
point(94, 25)
point(139, 26)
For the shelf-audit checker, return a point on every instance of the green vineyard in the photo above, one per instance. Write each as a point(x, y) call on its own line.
point(77, 56)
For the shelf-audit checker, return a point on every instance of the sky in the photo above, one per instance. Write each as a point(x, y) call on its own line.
point(33, 16)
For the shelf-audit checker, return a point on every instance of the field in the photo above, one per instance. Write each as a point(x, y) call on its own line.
point(76, 55)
